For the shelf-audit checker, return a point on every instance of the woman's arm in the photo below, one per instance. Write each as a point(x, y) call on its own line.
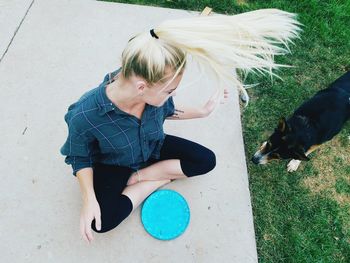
point(85, 178)
point(183, 113)
point(91, 208)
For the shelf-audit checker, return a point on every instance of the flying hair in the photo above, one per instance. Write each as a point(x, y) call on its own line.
point(222, 44)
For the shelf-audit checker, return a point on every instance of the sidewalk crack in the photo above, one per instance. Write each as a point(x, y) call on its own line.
point(8, 46)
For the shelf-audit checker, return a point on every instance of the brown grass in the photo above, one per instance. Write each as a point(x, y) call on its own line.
point(242, 2)
point(328, 162)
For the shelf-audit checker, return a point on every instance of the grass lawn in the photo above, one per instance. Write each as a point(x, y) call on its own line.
point(302, 216)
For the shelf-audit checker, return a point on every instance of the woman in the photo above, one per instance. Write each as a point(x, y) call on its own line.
point(116, 144)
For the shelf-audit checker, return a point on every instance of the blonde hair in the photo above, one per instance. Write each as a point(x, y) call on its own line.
point(221, 43)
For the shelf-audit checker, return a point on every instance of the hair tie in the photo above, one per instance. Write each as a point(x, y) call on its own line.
point(153, 34)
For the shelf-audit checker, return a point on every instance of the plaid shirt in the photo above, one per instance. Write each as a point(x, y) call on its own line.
point(98, 131)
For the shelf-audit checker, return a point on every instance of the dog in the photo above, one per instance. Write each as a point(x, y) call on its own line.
point(316, 121)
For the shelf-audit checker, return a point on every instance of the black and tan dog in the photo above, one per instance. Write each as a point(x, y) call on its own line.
point(316, 121)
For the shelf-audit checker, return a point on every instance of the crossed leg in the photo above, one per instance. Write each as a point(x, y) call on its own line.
point(117, 202)
point(181, 159)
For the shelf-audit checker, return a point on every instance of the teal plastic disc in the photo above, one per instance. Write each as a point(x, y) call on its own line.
point(165, 214)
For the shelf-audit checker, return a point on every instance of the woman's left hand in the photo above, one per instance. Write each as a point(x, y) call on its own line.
point(213, 102)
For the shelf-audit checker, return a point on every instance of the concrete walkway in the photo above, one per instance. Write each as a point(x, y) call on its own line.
point(61, 49)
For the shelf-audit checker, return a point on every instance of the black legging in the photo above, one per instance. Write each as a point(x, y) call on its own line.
point(110, 180)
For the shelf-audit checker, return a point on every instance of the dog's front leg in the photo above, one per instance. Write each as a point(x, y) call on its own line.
point(293, 165)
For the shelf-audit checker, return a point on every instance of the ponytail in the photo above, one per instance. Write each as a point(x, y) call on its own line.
point(222, 44)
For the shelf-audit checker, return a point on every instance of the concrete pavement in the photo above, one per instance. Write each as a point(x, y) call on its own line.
point(54, 52)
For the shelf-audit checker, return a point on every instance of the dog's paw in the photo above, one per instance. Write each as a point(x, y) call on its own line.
point(293, 165)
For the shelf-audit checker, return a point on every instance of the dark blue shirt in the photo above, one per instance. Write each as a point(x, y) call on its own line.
point(98, 131)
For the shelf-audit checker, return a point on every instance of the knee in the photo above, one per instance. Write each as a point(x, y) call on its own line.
point(210, 161)
point(93, 227)
point(112, 216)
point(105, 227)
point(207, 162)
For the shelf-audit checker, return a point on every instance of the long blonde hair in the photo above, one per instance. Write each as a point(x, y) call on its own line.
point(220, 43)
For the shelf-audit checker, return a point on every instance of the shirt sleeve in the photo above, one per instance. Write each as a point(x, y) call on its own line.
point(78, 149)
point(169, 107)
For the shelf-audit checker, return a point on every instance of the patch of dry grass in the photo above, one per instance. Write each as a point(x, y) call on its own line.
point(330, 162)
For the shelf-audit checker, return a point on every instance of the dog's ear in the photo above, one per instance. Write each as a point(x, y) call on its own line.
point(283, 125)
point(300, 153)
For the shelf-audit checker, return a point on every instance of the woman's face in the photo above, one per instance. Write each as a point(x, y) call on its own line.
point(158, 94)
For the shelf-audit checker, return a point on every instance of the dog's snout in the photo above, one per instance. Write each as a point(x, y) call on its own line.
point(255, 159)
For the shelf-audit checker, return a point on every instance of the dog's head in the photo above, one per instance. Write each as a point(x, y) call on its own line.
point(284, 143)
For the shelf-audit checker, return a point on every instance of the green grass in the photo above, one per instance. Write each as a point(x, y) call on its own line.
point(302, 216)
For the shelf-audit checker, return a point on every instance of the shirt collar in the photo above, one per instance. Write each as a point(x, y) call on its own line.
point(105, 104)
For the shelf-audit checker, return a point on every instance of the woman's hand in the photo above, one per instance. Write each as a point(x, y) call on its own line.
point(213, 101)
point(90, 211)
point(183, 113)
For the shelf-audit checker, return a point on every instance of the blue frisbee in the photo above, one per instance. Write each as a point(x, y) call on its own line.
point(165, 214)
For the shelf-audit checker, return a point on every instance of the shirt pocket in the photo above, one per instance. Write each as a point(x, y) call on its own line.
point(120, 142)
point(155, 130)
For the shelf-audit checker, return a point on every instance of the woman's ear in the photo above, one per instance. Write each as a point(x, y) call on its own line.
point(141, 85)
